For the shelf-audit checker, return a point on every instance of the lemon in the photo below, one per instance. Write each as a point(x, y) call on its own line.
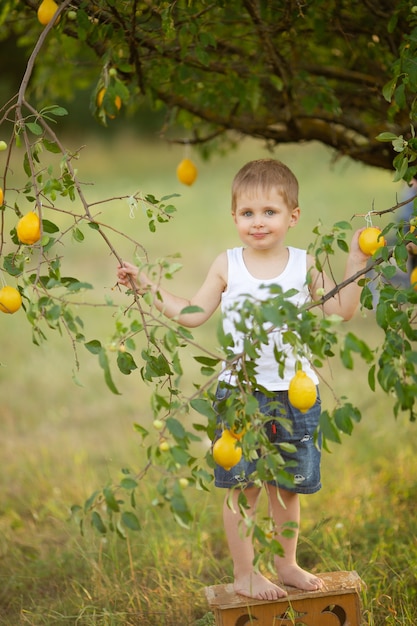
point(10, 299)
point(46, 11)
point(413, 278)
point(226, 452)
point(1, 197)
point(370, 240)
point(29, 228)
point(187, 172)
point(302, 392)
point(117, 102)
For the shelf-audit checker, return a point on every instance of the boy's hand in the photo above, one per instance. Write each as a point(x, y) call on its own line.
point(128, 272)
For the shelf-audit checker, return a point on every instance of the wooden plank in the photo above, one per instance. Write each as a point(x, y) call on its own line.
point(336, 583)
point(337, 604)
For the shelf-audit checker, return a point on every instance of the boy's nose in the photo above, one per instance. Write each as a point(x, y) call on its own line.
point(258, 221)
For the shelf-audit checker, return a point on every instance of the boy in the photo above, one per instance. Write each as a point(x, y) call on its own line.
point(264, 208)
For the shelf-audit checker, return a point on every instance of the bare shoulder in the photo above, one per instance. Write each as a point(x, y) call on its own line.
point(219, 267)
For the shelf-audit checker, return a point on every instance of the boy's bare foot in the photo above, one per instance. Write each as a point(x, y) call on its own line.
point(295, 576)
point(254, 585)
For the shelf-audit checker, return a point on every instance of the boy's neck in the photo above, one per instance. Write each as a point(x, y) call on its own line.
point(266, 264)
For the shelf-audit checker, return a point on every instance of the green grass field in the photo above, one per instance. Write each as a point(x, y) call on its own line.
point(61, 440)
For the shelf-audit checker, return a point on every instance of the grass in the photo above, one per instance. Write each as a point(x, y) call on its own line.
point(61, 441)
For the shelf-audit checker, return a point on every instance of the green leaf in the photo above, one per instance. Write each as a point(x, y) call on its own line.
point(205, 360)
point(371, 377)
point(111, 500)
point(34, 128)
point(125, 362)
point(342, 245)
point(128, 483)
point(141, 430)
point(130, 520)
point(56, 110)
point(97, 522)
point(93, 346)
point(386, 137)
point(191, 309)
point(77, 286)
point(351, 344)
point(49, 227)
point(343, 421)
point(204, 407)
point(77, 235)
point(343, 225)
point(328, 428)
point(104, 364)
point(175, 428)
point(51, 146)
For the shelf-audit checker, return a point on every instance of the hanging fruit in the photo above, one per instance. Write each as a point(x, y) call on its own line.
point(187, 172)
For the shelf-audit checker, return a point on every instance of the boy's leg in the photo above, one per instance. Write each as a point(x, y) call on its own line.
point(247, 581)
point(289, 572)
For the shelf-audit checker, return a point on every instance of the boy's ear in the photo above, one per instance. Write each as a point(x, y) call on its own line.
point(295, 216)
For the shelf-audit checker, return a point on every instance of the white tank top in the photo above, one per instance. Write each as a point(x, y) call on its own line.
point(241, 286)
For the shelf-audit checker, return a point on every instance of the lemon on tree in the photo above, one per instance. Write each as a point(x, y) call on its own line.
point(28, 228)
point(1, 197)
point(226, 451)
point(370, 240)
point(46, 11)
point(10, 299)
point(302, 392)
point(187, 172)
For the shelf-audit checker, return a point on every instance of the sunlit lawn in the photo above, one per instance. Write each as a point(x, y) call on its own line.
point(62, 440)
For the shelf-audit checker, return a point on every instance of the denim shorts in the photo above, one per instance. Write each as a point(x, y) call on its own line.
point(304, 469)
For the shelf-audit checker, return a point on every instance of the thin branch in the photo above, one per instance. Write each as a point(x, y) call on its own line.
point(384, 211)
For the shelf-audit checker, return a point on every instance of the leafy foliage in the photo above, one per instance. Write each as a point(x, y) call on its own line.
point(199, 64)
point(285, 71)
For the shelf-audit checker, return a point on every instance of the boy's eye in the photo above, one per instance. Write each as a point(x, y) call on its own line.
point(270, 212)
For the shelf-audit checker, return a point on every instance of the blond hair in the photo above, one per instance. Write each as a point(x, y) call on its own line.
point(264, 175)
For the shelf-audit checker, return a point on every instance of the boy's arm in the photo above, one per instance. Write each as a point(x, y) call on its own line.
point(207, 297)
point(346, 301)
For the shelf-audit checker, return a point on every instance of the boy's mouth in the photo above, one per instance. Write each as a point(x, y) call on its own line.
point(258, 235)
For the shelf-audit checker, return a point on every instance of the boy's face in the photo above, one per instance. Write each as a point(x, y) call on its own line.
point(263, 218)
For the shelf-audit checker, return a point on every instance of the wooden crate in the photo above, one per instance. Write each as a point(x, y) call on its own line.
point(337, 604)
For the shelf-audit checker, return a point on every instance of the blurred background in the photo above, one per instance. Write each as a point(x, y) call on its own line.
point(64, 434)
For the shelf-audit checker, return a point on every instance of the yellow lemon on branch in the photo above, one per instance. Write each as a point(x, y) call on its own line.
point(28, 228)
point(302, 392)
point(10, 299)
point(187, 172)
point(46, 11)
point(370, 240)
point(226, 451)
